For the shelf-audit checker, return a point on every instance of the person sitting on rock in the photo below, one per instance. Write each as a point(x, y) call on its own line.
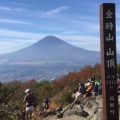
point(100, 88)
point(95, 88)
point(81, 91)
point(88, 90)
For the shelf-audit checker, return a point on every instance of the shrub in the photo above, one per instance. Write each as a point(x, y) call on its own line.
point(66, 98)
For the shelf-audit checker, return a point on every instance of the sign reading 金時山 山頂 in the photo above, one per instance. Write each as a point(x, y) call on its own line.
point(108, 61)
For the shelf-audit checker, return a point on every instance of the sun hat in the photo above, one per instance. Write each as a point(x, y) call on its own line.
point(27, 90)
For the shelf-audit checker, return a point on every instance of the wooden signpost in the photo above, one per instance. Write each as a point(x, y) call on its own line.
point(108, 61)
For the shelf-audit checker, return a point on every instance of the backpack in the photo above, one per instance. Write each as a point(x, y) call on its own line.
point(30, 100)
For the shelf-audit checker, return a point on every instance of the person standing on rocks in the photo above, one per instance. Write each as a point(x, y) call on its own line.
point(46, 102)
point(30, 100)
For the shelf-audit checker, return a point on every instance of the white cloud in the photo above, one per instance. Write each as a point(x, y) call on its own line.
point(55, 11)
point(29, 12)
point(11, 44)
point(13, 9)
point(5, 8)
point(19, 34)
point(88, 42)
point(14, 40)
point(13, 21)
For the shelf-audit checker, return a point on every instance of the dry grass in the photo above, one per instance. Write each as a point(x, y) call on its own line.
point(53, 106)
point(36, 116)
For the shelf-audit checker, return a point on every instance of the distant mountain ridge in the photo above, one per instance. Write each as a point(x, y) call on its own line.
point(49, 49)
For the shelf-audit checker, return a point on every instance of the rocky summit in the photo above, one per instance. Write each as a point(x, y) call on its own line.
point(90, 108)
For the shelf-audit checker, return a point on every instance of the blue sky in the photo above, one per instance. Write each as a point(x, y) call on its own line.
point(24, 22)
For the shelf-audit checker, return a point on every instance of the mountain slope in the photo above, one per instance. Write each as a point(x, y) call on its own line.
point(52, 49)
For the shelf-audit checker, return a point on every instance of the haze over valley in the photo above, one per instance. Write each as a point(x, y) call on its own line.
point(47, 59)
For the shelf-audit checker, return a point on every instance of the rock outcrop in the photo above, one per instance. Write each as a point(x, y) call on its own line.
point(90, 108)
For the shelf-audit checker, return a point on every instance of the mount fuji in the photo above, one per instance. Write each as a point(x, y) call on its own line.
point(47, 59)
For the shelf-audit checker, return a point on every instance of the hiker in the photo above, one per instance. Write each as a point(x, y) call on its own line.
point(80, 92)
point(30, 100)
point(100, 88)
point(95, 88)
point(89, 88)
point(46, 102)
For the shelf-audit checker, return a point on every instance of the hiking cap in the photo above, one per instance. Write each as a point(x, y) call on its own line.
point(27, 90)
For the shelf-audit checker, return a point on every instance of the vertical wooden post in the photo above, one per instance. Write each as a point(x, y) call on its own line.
point(108, 61)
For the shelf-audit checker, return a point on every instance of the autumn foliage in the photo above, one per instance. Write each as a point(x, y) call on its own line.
point(59, 89)
point(73, 78)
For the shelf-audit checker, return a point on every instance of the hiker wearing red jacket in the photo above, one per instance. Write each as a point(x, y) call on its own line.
point(88, 90)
